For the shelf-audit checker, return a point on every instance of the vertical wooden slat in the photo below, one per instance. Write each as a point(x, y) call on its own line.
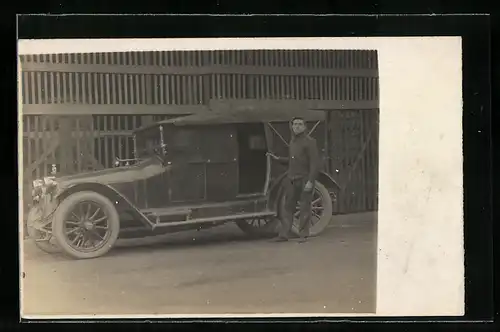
point(105, 89)
point(29, 142)
point(161, 88)
point(320, 85)
point(127, 141)
point(267, 85)
point(77, 86)
point(341, 81)
point(149, 89)
point(172, 87)
point(84, 87)
point(359, 88)
point(155, 89)
point(37, 84)
point(186, 91)
point(137, 88)
point(231, 86)
point(37, 145)
point(96, 131)
point(65, 88)
point(142, 99)
point(24, 87)
point(80, 135)
point(106, 128)
point(195, 95)
point(100, 88)
point(331, 88)
point(92, 139)
point(59, 88)
point(52, 133)
point(119, 88)
point(294, 85)
point(126, 85)
point(113, 140)
point(348, 88)
point(299, 87)
point(178, 92)
point(243, 85)
point(287, 82)
point(71, 81)
point(88, 88)
point(96, 87)
point(45, 88)
point(312, 85)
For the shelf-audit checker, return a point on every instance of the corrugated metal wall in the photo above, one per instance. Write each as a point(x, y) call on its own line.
point(186, 78)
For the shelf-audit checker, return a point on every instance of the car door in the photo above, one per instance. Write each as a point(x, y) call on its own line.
point(220, 154)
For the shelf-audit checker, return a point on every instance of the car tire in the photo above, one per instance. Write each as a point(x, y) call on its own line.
point(50, 246)
point(66, 210)
point(253, 227)
point(320, 192)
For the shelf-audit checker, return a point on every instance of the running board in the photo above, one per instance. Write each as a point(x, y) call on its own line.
point(216, 219)
point(157, 215)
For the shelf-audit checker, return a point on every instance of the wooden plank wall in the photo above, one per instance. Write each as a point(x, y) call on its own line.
point(190, 79)
point(354, 161)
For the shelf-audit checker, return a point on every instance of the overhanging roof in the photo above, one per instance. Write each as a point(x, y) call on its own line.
point(240, 116)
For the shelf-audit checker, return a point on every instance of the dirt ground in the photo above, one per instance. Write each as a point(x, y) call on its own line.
point(217, 271)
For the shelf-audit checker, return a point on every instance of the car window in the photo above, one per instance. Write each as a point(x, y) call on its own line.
point(147, 141)
point(184, 139)
point(257, 142)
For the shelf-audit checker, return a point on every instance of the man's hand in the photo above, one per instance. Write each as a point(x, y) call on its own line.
point(272, 156)
point(309, 186)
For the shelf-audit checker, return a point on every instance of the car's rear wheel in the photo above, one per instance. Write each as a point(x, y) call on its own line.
point(259, 227)
point(40, 234)
point(322, 208)
point(86, 225)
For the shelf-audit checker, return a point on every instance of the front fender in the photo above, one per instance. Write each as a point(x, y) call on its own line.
point(122, 204)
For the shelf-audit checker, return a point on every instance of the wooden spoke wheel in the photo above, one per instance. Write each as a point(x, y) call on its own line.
point(321, 211)
point(86, 225)
point(262, 227)
point(41, 234)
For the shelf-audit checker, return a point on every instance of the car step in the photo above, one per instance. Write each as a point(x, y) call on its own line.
point(216, 219)
point(157, 215)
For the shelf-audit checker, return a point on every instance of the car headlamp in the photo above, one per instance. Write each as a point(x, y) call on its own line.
point(42, 187)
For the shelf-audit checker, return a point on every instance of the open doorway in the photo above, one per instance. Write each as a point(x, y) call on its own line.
point(252, 166)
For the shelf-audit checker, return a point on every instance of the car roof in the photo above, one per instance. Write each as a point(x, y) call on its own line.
point(246, 115)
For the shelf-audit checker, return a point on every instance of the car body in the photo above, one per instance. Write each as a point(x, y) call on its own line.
point(188, 173)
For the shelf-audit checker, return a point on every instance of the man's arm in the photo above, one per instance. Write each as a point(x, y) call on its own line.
point(282, 160)
point(313, 153)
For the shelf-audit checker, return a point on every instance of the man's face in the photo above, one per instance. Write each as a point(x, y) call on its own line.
point(298, 126)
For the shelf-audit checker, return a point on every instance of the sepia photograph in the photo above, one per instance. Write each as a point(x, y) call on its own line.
point(237, 180)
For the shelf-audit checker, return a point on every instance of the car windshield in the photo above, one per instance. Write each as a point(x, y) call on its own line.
point(148, 142)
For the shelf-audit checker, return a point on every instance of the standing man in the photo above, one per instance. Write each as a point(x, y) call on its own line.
point(299, 182)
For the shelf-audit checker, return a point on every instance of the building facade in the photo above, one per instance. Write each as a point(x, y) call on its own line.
point(79, 110)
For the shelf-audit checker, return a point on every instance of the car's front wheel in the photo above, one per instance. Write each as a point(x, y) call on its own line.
point(39, 233)
point(86, 225)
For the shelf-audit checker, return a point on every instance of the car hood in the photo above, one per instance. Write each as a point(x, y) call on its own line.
point(140, 171)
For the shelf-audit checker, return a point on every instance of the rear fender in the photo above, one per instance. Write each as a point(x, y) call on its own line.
point(122, 204)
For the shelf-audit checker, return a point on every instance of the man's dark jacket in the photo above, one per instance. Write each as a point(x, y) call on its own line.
point(303, 159)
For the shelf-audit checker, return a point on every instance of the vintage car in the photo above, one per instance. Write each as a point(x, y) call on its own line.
point(188, 173)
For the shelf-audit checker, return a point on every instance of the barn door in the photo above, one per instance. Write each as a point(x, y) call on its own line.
point(353, 154)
